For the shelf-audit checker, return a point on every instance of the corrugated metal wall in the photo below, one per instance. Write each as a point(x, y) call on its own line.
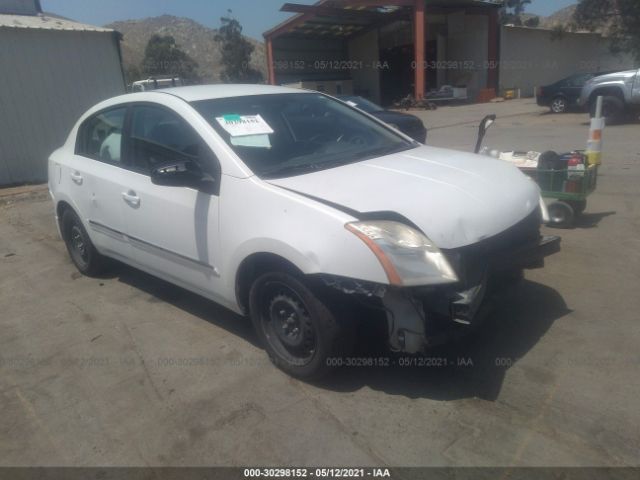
point(47, 80)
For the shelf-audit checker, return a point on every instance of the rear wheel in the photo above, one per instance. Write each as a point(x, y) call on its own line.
point(561, 215)
point(298, 330)
point(81, 250)
point(559, 105)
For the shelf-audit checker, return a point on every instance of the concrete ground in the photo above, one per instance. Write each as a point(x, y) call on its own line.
point(128, 370)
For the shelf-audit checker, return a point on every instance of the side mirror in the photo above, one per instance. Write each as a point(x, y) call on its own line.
point(484, 126)
point(181, 173)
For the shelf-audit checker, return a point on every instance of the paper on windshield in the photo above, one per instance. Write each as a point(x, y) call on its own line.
point(244, 125)
point(353, 104)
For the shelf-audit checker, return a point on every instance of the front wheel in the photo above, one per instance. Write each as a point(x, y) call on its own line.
point(298, 330)
point(613, 110)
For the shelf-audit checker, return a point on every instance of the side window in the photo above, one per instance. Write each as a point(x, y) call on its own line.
point(160, 136)
point(100, 136)
point(578, 80)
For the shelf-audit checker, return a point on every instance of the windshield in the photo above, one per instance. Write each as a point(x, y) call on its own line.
point(291, 134)
point(361, 103)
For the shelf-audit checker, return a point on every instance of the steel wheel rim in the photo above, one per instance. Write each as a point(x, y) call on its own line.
point(286, 323)
point(79, 244)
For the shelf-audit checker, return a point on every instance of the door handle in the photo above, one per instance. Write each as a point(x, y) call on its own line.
point(131, 198)
point(76, 177)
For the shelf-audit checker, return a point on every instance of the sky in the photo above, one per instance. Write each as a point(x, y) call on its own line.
point(256, 16)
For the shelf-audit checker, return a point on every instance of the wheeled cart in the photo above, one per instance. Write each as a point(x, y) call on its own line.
point(568, 188)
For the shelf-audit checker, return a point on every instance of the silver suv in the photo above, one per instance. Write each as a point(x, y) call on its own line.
point(621, 92)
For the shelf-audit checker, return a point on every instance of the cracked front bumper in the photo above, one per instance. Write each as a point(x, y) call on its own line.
point(418, 318)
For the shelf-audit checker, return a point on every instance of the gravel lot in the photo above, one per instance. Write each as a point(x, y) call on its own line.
point(128, 370)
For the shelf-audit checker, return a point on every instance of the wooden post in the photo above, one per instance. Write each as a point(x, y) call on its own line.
point(271, 72)
point(493, 60)
point(419, 43)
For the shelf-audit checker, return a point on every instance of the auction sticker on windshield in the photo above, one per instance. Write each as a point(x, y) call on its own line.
point(244, 125)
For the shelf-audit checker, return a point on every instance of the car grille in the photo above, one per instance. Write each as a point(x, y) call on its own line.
point(471, 262)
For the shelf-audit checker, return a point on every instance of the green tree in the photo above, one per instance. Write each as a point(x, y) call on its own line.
point(236, 53)
point(132, 73)
point(619, 19)
point(533, 22)
point(163, 57)
point(512, 10)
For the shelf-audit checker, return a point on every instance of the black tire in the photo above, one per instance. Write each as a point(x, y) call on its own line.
point(561, 215)
point(81, 250)
point(559, 105)
point(297, 329)
point(613, 110)
point(579, 206)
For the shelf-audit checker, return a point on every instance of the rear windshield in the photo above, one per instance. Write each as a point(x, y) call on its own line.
point(291, 134)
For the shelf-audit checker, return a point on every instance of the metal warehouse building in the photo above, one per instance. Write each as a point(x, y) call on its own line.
point(385, 49)
point(51, 70)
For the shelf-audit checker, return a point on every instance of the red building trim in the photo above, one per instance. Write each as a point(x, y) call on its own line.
point(493, 56)
point(271, 72)
point(419, 42)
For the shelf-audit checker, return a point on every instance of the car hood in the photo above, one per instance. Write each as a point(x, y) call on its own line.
point(614, 76)
point(455, 198)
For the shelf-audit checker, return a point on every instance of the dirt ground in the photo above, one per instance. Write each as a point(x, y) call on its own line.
point(128, 370)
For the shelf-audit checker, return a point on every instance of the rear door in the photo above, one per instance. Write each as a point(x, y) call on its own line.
point(573, 87)
point(96, 178)
point(173, 230)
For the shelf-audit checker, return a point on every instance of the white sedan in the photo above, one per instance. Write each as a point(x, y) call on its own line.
point(298, 210)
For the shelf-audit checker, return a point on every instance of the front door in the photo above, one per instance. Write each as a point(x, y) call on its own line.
point(173, 230)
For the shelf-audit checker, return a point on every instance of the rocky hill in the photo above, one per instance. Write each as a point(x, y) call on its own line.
point(192, 37)
point(561, 17)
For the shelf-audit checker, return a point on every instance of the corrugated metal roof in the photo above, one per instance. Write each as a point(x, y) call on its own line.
point(45, 22)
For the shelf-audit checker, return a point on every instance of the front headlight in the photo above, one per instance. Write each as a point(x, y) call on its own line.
point(408, 257)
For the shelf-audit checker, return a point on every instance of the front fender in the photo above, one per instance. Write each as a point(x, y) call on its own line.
point(310, 235)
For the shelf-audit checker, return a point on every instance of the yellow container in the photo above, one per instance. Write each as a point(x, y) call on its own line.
point(594, 158)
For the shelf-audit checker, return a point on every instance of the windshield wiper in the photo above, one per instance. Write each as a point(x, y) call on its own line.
point(280, 171)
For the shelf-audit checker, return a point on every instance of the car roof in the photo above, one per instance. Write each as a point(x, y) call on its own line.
point(210, 92)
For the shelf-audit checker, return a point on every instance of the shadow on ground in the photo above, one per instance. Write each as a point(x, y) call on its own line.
point(472, 367)
point(162, 291)
point(586, 220)
point(591, 220)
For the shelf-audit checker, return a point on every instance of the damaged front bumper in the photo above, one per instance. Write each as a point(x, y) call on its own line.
point(421, 317)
